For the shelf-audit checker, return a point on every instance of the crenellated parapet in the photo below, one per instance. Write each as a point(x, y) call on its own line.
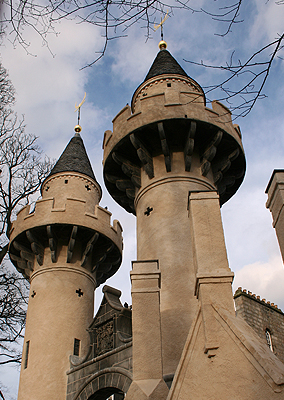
point(155, 107)
point(73, 213)
point(160, 109)
point(88, 239)
point(246, 293)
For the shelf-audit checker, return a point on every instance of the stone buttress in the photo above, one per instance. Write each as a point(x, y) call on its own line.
point(275, 203)
point(65, 247)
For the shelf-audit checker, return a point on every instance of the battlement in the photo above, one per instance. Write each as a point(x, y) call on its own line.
point(211, 144)
point(244, 292)
point(73, 213)
point(264, 317)
point(161, 106)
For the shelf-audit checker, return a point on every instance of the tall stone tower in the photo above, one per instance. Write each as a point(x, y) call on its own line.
point(173, 162)
point(66, 247)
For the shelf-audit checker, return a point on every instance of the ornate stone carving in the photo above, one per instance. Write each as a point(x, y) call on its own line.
point(105, 338)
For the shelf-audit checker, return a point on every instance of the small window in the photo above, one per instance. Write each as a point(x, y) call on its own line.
point(169, 84)
point(268, 339)
point(76, 347)
point(27, 354)
point(66, 181)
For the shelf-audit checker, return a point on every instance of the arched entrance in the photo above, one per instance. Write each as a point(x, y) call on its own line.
point(105, 383)
point(108, 393)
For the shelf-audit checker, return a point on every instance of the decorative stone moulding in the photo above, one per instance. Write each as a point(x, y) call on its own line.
point(161, 83)
point(33, 233)
point(162, 126)
point(54, 178)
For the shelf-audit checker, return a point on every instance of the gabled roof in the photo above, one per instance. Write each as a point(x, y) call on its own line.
point(164, 63)
point(74, 159)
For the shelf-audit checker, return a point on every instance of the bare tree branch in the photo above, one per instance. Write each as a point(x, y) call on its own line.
point(115, 17)
point(249, 78)
point(13, 303)
point(227, 14)
point(22, 171)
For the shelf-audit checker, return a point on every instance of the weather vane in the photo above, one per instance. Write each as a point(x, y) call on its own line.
point(161, 24)
point(78, 127)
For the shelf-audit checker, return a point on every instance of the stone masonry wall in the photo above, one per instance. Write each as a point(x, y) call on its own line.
point(262, 315)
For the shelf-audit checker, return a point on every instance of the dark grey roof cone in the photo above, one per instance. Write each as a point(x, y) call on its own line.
point(164, 63)
point(74, 159)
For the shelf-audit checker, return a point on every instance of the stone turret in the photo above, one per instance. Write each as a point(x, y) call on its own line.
point(66, 247)
point(172, 162)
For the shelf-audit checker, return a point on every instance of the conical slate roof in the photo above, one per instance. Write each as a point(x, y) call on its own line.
point(74, 159)
point(164, 63)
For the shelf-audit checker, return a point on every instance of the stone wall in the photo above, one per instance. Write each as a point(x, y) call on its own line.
point(262, 315)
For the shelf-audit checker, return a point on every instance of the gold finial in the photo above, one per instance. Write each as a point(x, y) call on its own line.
point(78, 128)
point(162, 44)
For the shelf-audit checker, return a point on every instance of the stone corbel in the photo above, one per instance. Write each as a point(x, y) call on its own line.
point(37, 248)
point(224, 165)
point(128, 168)
point(71, 243)
point(102, 257)
point(52, 242)
point(144, 156)
point(165, 147)
point(25, 255)
point(89, 248)
point(189, 146)
point(210, 153)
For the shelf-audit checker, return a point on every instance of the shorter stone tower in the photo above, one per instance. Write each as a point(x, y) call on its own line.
point(65, 247)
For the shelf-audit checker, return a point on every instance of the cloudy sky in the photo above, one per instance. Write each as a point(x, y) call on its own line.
point(48, 83)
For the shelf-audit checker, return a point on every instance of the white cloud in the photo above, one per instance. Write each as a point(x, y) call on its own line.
point(268, 21)
point(134, 57)
point(47, 87)
point(264, 279)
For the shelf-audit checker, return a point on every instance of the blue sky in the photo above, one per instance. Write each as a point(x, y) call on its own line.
point(47, 87)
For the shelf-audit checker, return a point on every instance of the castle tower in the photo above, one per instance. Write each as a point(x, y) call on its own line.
point(66, 247)
point(167, 147)
point(172, 162)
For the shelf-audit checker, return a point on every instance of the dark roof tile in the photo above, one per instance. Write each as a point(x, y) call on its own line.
point(74, 159)
point(164, 63)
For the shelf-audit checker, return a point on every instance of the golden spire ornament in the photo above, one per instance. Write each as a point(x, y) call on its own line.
point(162, 44)
point(78, 128)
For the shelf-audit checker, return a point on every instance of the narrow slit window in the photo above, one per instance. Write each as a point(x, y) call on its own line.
point(268, 339)
point(27, 354)
point(76, 347)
